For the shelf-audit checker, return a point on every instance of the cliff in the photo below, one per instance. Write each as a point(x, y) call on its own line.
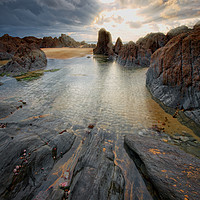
point(174, 73)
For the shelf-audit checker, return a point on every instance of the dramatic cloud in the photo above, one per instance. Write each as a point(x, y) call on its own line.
point(129, 19)
point(46, 14)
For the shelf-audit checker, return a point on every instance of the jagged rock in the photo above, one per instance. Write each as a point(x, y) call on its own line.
point(49, 42)
point(26, 157)
point(139, 54)
point(128, 55)
point(26, 58)
point(104, 44)
point(176, 31)
point(197, 25)
point(118, 45)
point(173, 173)
point(67, 41)
point(174, 76)
point(96, 176)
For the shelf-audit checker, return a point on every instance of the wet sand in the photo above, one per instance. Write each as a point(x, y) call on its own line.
point(66, 52)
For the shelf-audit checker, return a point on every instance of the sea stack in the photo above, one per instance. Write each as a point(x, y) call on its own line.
point(104, 44)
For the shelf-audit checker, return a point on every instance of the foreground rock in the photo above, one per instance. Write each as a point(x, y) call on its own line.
point(174, 76)
point(28, 153)
point(173, 173)
point(104, 44)
point(95, 175)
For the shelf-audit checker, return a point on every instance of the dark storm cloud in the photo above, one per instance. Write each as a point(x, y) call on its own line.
point(42, 15)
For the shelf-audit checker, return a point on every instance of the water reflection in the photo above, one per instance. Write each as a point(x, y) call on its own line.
point(93, 90)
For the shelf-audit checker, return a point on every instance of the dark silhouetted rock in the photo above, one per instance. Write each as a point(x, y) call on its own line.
point(173, 173)
point(104, 44)
point(174, 75)
point(118, 45)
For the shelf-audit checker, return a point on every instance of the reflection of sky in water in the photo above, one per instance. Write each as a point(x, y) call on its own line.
point(88, 91)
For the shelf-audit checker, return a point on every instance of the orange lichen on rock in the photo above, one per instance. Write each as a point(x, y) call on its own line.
point(156, 151)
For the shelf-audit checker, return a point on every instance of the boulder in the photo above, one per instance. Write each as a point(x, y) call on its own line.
point(104, 44)
point(26, 58)
point(173, 173)
point(174, 76)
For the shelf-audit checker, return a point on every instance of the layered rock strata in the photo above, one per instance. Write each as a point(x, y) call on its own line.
point(174, 73)
point(173, 173)
point(27, 157)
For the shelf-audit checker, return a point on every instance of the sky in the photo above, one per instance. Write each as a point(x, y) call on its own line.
point(81, 19)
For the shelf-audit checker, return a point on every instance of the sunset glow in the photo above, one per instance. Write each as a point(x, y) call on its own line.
point(128, 19)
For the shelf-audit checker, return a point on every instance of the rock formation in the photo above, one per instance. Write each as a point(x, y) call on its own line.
point(104, 44)
point(28, 156)
point(25, 54)
point(96, 176)
point(139, 54)
point(173, 173)
point(176, 31)
point(174, 76)
point(118, 46)
point(26, 58)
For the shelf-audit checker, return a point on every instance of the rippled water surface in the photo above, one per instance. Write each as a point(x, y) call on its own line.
point(90, 90)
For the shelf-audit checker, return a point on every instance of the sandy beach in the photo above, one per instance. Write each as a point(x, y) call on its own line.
point(66, 52)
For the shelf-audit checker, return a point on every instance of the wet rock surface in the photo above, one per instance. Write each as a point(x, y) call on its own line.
point(173, 173)
point(27, 157)
point(104, 44)
point(173, 76)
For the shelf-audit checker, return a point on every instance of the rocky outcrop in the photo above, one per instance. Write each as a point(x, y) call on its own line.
point(26, 58)
point(96, 176)
point(67, 41)
point(173, 173)
point(127, 55)
point(104, 44)
point(118, 46)
point(174, 76)
point(139, 54)
point(27, 157)
point(176, 31)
